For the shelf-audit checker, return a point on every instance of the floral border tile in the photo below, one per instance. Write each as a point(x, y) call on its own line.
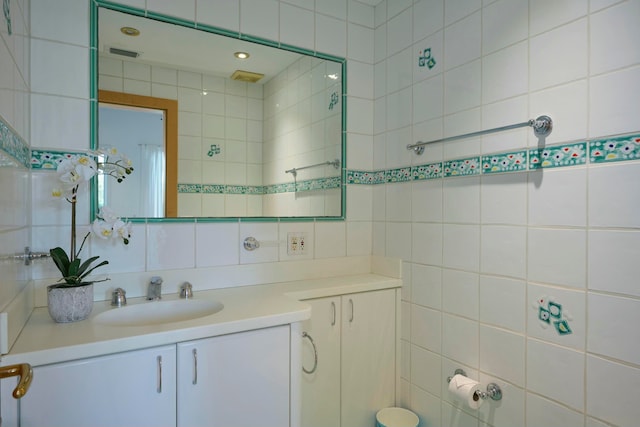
point(504, 162)
point(558, 155)
point(288, 187)
point(212, 188)
point(615, 149)
point(462, 167)
point(47, 159)
point(399, 175)
point(428, 171)
point(190, 188)
point(366, 177)
point(13, 145)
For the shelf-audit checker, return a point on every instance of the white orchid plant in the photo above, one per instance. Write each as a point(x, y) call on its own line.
point(73, 173)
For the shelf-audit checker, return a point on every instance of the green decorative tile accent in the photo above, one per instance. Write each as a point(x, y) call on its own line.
point(211, 189)
point(7, 15)
point(215, 149)
point(544, 315)
point(258, 190)
point(429, 171)
point(505, 162)
point(562, 327)
point(615, 149)
point(365, 177)
point(558, 156)
point(14, 146)
point(399, 175)
point(463, 167)
point(190, 188)
point(550, 312)
point(50, 159)
point(425, 59)
point(287, 187)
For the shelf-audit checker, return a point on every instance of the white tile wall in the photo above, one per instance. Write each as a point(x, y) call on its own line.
point(426, 329)
point(605, 208)
point(502, 302)
point(541, 411)
point(465, 348)
point(460, 293)
point(502, 353)
point(463, 88)
point(505, 73)
point(610, 388)
point(611, 261)
point(498, 29)
point(222, 14)
point(462, 41)
point(425, 370)
point(486, 248)
point(556, 372)
point(557, 256)
point(558, 197)
point(610, 332)
point(503, 251)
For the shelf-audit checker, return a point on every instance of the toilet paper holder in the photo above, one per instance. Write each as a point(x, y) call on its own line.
point(493, 390)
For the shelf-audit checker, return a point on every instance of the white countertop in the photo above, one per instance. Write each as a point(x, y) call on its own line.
point(42, 341)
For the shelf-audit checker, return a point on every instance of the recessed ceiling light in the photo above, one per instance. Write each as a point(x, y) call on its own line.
point(130, 31)
point(241, 55)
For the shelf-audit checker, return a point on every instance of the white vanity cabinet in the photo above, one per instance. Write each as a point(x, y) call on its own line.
point(239, 380)
point(355, 338)
point(135, 388)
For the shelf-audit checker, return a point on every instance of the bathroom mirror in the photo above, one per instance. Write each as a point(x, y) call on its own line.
point(211, 135)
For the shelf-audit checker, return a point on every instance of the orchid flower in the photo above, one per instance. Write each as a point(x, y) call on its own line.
point(74, 171)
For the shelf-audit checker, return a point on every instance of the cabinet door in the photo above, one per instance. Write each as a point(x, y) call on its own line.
point(321, 389)
point(236, 380)
point(136, 388)
point(368, 356)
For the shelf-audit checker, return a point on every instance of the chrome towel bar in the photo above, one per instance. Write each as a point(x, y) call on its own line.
point(542, 127)
point(335, 163)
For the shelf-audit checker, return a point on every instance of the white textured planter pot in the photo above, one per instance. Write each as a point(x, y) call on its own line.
point(70, 304)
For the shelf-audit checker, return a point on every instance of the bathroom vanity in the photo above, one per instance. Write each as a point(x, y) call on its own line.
point(241, 366)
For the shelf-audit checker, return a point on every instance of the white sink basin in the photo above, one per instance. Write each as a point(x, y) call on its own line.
point(158, 312)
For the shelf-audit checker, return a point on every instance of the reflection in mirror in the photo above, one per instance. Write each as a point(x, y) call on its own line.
point(144, 128)
point(235, 138)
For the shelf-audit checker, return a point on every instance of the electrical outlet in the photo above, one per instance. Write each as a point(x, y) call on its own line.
point(296, 243)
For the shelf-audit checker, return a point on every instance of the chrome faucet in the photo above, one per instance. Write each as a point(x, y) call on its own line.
point(154, 291)
point(186, 290)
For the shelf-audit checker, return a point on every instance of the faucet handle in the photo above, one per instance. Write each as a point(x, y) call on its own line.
point(119, 298)
point(186, 290)
point(156, 280)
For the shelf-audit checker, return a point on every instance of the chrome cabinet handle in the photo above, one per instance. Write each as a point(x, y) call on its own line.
point(195, 367)
point(351, 304)
point(159, 388)
point(333, 308)
point(315, 355)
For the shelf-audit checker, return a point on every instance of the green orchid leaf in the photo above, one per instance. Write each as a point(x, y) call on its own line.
point(73, 267)
point(93, 268)
point(86, 265)
point(60, 259)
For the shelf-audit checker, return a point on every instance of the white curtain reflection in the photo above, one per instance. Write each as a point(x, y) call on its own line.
point(151, 169)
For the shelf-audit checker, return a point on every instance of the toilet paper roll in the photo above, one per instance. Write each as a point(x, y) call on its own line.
point(465, 389)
